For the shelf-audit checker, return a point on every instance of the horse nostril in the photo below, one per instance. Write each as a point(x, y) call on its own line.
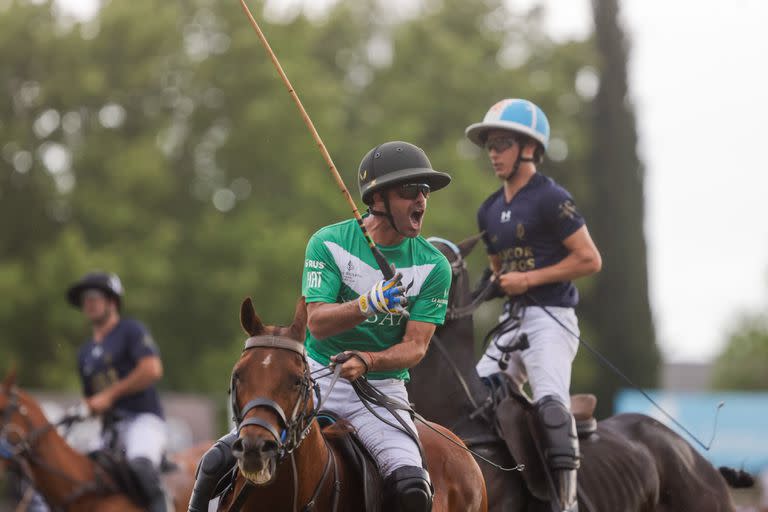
point(238, 448)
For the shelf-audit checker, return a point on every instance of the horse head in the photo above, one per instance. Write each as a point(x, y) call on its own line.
point(271, 394)
point(22, 421)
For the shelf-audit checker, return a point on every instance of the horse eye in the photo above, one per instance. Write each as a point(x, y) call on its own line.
point(297, 382)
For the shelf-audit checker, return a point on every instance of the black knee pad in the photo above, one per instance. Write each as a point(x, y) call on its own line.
point(147, 476)
point(212, 467)
point(218, 459)
point(558, 431)
point(408, 489)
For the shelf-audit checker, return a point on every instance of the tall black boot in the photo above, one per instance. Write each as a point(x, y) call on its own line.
point(408, 489)
point(557, 430)
point(147, 477)
point(212, 467)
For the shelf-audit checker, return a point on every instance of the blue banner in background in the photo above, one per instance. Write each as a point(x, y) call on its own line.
point(742, 431)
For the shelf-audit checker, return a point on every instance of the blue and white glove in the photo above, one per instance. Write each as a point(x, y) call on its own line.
point(387, 296)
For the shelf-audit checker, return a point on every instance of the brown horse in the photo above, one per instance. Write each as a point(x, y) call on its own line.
point(67, 479)
point(304, 467)
point(632, 463)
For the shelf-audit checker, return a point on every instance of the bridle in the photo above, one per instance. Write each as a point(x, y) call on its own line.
point(458, 266)
point(24, 454)
point(294, 429)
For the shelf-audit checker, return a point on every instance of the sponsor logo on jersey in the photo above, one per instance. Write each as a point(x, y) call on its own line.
point(506, 216)
point(314, 264)
point(520, 231)
point(389, 320)
point(567, 209)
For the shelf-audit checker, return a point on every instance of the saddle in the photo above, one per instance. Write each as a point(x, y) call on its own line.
point(121, 478)
point(514, 423)
point(357, 456)
point(502, 387)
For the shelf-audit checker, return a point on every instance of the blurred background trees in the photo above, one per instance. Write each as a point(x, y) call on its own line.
point(156, 141)
point(743, 363)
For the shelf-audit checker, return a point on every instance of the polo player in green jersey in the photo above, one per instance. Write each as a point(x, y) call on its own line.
point(384, 326)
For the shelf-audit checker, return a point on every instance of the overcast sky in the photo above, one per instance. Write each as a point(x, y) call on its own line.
point(700, 96)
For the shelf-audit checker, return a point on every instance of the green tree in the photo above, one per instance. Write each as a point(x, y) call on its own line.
point(743, 364)
point(618, 307)
point(157, 141)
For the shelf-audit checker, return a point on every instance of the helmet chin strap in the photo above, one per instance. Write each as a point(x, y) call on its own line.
point(386, 213)
point(519, 160)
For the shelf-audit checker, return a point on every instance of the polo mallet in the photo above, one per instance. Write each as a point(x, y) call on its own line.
point(386, 269)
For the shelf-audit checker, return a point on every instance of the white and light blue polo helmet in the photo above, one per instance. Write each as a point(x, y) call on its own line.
point(517, 115)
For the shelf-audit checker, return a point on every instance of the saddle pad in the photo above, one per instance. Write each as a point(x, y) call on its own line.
point(122, 477)
point(342, 436)
point(514, 428)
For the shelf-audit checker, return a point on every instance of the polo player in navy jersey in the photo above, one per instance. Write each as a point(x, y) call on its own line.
point(537, 243)
point(119, 367)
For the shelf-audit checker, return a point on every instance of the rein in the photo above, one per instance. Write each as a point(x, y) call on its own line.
point(294, 429)
point(23, 452)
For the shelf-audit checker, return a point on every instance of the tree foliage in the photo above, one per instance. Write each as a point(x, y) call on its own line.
point(156, 141)
point(620, 307)
point(743, 364)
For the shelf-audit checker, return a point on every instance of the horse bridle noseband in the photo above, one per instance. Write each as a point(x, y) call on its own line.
point(23, 452)
point(294, 430)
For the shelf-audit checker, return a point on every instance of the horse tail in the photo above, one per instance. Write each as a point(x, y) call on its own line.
point(737, 478)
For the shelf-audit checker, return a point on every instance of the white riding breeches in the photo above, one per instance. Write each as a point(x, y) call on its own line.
point(142, 435)
point(390, 447)
point(546, 364)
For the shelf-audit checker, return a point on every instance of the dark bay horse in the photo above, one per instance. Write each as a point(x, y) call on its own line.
point(632, 463)
point(67, 479)
point(284, 459)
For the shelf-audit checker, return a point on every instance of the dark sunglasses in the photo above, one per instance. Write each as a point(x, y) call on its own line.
point(499, 144)
point(412, 190)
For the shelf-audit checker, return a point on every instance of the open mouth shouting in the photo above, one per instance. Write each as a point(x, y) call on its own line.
point(416, 217)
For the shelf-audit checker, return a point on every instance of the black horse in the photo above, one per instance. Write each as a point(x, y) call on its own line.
point(630, 462)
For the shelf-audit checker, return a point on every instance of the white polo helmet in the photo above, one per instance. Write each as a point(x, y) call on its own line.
point(517, 115)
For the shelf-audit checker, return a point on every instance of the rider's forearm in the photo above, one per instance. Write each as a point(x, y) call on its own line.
point(576, 264)
point(405, 354)
point(148, 371)
point(326, 319)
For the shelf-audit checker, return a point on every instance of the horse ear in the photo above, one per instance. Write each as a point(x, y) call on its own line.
point(466, 246)
point(298, 329)
point(249, 319)
point(10, 379)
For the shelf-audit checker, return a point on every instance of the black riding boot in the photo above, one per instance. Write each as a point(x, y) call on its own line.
point(408, 489)
point(148, 478)
point(212, 467)
point(561, 450)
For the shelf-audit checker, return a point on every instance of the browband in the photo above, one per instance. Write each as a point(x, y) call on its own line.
point(276, 342)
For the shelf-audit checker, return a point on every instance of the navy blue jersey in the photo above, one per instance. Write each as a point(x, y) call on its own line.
point(101, 364)
point(527, 233)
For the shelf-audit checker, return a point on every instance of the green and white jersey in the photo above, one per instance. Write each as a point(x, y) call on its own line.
point(339, 267)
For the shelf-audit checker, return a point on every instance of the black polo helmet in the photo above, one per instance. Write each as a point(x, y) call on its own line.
point(106, 282)
point(396, 162)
